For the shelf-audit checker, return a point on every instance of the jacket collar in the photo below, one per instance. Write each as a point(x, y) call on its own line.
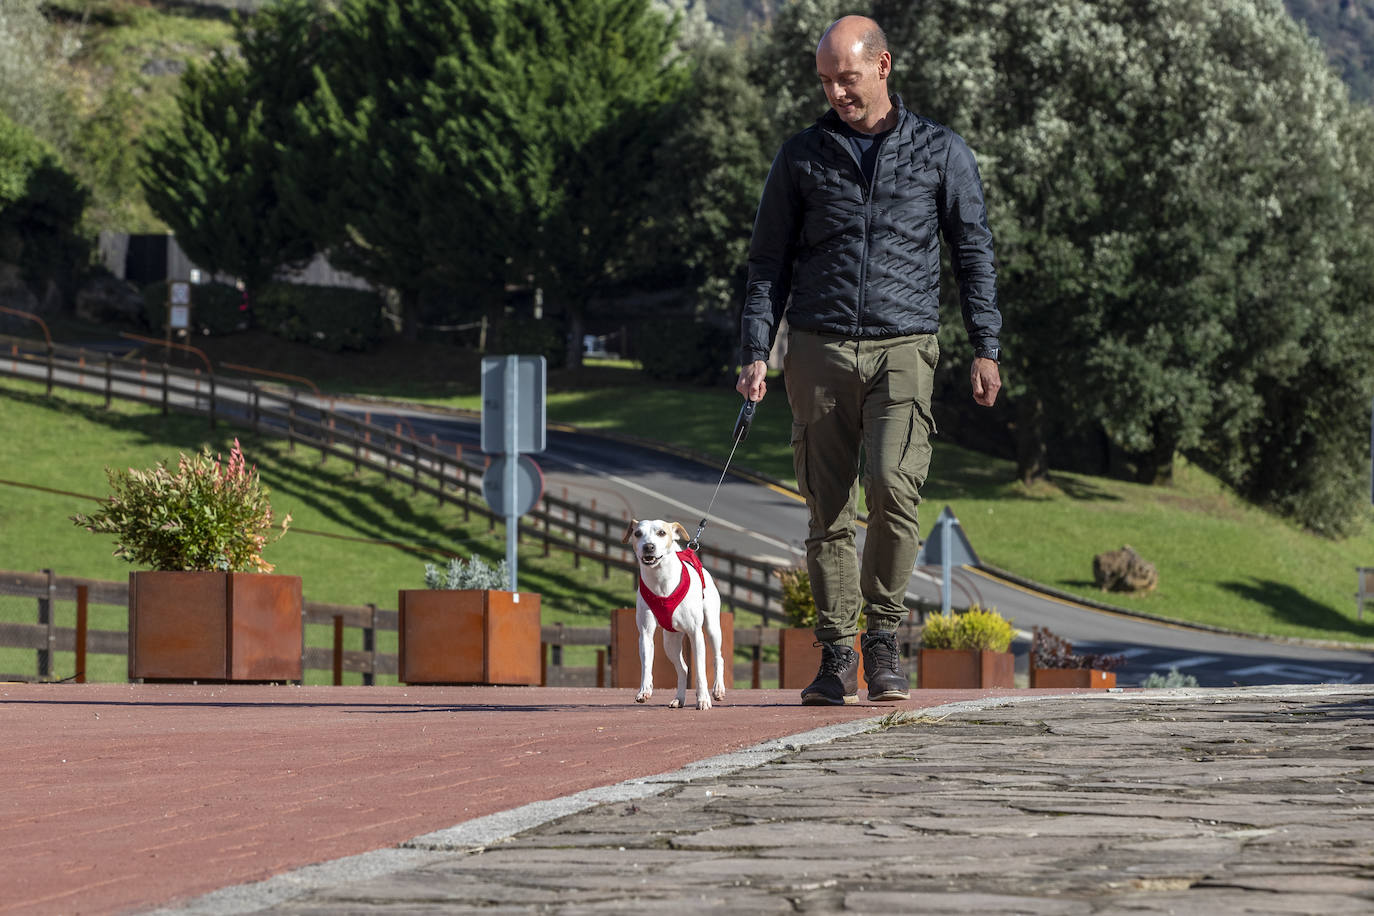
point(831, 121)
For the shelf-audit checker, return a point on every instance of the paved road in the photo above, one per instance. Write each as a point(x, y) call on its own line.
point(768, 522)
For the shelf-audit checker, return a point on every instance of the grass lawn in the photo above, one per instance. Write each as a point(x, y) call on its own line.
point(355, 539)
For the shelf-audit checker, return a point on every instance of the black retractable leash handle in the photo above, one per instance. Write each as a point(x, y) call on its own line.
point(746, 417)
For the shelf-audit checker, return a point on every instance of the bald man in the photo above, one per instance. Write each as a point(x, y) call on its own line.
point(846, 244)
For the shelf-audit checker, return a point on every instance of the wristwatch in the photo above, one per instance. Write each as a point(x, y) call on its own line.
point(992, 353)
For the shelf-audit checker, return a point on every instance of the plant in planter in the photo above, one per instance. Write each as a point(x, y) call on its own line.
point(1054, 663)
point(467, 627)
point(208, 609)
point(799, 655)
point(967, 650)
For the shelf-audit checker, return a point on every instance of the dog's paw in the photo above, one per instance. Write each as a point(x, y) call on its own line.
point(676, 704)
point(718, 694)
point(703, 702)
point(643, 695)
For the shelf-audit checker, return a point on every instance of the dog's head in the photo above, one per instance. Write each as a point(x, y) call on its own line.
point(653, 539)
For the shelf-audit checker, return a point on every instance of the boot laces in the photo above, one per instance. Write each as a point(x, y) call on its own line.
point(883, 648)
point(834, 660)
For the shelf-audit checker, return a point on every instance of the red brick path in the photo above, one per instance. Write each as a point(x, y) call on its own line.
point(117, 797)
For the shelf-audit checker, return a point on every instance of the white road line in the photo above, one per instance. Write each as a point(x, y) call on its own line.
point(693, 511)
point(1191, 662)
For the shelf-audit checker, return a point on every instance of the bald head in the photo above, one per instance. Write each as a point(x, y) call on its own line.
point(853, 63)
point(859, 36)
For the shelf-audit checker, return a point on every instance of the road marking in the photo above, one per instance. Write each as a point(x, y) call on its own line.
point(691, 510)
point(1303, 673)
point(1191, 662)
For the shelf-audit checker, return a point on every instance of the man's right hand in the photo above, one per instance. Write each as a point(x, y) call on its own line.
point(752, 380)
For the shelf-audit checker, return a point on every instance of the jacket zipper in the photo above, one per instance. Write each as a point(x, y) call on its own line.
point(868, 216)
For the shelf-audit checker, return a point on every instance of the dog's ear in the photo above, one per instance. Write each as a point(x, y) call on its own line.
point(625, 539)
point(680, 533)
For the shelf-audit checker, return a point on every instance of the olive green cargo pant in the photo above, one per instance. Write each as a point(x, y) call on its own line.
point(860, 403)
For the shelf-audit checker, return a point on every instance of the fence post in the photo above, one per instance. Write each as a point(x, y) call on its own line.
point(109, 379)
point(164, 388)
point(370, 646)
point(82, 594)
point(212, 399)
point(338, 650)
point(291, 422)
point(50, 362)
point(45, 618)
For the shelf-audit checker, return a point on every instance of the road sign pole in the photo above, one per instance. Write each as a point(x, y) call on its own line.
point(946, 562)
point(512, 384)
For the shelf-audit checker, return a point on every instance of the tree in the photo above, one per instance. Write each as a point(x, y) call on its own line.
point(707, 175)
point(41, 205)
point(216, 178)
point(613, 77)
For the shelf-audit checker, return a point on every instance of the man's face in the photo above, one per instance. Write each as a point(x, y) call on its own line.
point(855, 85)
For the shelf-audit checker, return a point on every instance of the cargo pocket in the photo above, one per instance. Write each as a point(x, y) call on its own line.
point(916, 454)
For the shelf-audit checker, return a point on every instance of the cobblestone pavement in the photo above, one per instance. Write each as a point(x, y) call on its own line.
point(1254, 800)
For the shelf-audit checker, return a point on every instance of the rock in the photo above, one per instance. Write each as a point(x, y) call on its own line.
point(106, 298)
point(1124, 570)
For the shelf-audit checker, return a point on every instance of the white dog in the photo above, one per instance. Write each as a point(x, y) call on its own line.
point(679, 595)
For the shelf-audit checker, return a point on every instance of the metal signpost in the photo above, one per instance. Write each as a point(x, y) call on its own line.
point(514, 424)
point(948, 547)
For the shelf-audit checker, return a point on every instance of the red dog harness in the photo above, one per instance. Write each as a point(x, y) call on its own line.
point(664, 606)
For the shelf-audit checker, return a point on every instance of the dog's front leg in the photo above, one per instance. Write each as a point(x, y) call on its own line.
point(699, 668)
point(672, 644)
point(645, 621)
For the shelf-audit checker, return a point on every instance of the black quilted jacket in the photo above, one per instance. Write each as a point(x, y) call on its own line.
point(864, 262)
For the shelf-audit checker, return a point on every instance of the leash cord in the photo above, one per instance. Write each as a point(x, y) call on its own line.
point(695, 543)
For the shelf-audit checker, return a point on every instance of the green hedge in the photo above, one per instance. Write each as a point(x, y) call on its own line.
point(685, 350)
point(329, 317)
point(216, 308)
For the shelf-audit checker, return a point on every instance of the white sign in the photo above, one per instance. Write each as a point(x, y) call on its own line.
point(181, 293)
point(179, 317)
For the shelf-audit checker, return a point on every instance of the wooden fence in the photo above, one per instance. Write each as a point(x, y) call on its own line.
point(441, 471)
point(753, 665)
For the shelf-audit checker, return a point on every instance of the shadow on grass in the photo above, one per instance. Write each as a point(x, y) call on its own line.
point(1292, 606)
point(957, 472)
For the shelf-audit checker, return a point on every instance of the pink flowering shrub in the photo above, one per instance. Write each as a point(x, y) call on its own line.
point(208, 514)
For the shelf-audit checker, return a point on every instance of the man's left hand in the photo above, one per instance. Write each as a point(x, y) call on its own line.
point(987, 380)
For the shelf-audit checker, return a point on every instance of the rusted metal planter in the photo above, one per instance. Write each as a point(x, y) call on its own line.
point(468, 636)
point(1071, 677)
point(799, 658)
point(214, 626)
point(963, 669)
point(625, 653)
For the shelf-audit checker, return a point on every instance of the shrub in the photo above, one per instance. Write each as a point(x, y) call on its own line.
point(333, 318)
point(474, 574)
point(1172, 679)
point(1051, 651)
point(684, 350)
point(798, 605)
point(216, 308)
point(531, 338)
point(975, 629)
point(206, 515)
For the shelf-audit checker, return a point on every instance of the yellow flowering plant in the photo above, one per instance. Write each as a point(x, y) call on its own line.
point(207, 514)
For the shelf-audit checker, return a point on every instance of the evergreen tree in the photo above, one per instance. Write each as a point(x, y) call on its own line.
point(216, 176)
